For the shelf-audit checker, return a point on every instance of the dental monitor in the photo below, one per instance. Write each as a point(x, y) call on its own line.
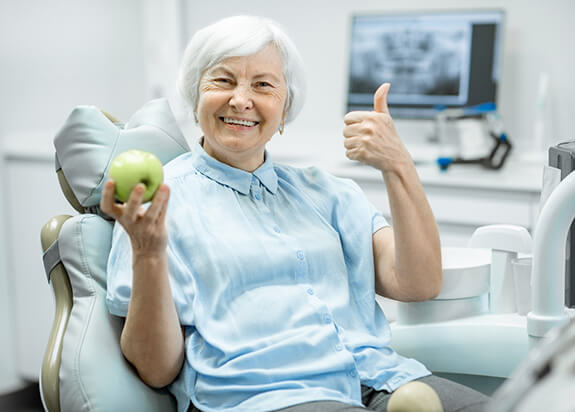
point(433, 60)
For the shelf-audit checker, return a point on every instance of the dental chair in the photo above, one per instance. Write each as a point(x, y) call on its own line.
point(471, 332)
point(83, 367)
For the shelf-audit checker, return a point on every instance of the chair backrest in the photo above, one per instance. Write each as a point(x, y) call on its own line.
point(83, 368)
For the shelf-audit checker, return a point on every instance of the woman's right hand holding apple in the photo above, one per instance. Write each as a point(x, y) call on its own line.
point(145, 226)
point(152, 339)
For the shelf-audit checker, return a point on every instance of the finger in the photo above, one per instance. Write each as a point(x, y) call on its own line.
point(107, 202)
point(352, 154)
point(352, 130)
point(132, 206)
point(380, 99)
point(159, 203)
point(350, 143)
point(354, 117)
point(163, 210)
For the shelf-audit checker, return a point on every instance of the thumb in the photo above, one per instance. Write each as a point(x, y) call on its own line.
point(380, 98)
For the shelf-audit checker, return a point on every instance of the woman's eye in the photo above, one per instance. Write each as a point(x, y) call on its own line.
point(263, 84)
point(222, 80)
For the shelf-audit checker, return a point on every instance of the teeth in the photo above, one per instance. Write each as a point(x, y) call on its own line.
point(239, 122)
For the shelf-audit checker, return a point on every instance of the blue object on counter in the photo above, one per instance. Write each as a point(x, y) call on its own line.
point(480, 108)
point(444, 162)
point(471, 111)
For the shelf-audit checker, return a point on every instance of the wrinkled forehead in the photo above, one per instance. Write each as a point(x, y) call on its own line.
point(268, 61)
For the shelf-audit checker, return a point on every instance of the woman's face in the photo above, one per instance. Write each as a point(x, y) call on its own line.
point(241, 105)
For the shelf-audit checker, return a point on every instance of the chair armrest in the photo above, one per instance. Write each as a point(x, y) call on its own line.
point(49, 376)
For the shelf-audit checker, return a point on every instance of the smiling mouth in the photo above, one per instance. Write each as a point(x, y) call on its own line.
point(238, 122)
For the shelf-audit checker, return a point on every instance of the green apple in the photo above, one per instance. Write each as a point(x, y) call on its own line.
point(136, 166)
point(414, 397)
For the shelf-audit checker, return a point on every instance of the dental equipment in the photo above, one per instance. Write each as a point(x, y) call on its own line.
point(548, 276)
point(562, 157)
point(465, 332)
point(485, 114)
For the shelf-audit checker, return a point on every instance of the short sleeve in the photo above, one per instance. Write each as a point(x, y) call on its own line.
point(378, 221)
point(119, 283)
point(354, 207)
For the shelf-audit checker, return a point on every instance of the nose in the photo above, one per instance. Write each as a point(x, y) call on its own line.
point(241, 99)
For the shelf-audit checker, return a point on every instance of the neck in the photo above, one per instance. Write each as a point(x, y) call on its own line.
point(244, 161)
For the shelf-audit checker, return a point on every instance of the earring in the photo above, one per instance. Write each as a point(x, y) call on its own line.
point(281, 129)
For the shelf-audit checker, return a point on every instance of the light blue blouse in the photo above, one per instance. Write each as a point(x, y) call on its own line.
point(272, 275)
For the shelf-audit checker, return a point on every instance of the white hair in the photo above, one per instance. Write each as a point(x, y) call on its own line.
point(240, 36)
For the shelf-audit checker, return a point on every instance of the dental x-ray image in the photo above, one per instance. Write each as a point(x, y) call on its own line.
point(424, 61)
point(433, 60)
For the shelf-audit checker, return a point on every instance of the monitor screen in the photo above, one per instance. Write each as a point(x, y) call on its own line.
point(432, 60)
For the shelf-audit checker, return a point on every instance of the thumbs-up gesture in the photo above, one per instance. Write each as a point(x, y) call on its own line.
point(371, 138)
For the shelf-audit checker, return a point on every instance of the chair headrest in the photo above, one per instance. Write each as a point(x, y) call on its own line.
point(90, 139)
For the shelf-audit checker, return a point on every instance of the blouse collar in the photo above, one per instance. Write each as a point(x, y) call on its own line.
point(237, 179)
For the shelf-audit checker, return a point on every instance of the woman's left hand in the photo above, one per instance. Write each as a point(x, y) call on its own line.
point(371, 138)
point(408, 259)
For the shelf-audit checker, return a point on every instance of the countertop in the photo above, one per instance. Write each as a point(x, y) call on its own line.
point(515, 175)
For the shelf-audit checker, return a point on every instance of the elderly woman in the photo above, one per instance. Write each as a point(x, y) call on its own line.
point(253, 288)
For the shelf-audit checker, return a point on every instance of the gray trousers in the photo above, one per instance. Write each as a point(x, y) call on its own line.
point(454, 397)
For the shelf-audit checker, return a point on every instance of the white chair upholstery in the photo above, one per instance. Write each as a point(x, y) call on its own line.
point(84, 369)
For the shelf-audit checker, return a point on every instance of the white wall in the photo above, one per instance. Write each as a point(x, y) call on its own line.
point(538, 38)
point(8, 376)
point(62, 53)
point(55, 55)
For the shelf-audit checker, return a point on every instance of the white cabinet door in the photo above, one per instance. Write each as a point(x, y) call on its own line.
point(32, 197)
point(459, 211)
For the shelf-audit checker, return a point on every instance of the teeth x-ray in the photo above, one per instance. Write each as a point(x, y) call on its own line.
point(419, 60)
point(431, 60)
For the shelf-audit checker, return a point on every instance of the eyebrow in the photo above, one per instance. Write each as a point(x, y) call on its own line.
point(225, 70)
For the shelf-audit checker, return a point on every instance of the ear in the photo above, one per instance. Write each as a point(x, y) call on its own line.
point(287, 105)
point(283, 122)
point(195, 114)
point(283, 119)
point(195, 110)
